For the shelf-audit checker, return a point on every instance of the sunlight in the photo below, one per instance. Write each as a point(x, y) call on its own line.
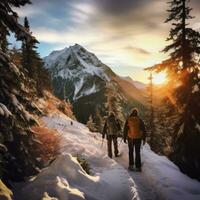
point(160, 78)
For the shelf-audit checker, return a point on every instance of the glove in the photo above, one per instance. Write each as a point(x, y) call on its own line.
point(144, 142)
point(103, 136)
point(125, 141)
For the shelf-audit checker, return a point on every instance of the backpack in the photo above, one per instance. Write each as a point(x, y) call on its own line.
point(112, 126)
point(134, 130)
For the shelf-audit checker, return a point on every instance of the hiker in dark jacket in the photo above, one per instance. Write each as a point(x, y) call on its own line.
point(135, 132)
point(111, 130)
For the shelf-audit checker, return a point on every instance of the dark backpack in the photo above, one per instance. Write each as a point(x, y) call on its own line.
point(112, 126)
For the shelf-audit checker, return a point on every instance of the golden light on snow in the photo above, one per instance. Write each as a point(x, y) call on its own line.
point(159, 78)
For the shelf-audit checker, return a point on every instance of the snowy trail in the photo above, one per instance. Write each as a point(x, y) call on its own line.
point(109, 179)
point(144, 188)
point(160, 178)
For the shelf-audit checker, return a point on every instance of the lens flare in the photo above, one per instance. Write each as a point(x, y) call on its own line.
point(159, 78)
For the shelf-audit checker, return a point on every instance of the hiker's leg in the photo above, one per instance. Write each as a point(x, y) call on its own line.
point(137, 153)
point(130, 148)
point(109, 142)
point(115, 145)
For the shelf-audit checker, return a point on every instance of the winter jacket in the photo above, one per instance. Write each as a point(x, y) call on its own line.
point(111, 127)
point(134, 128)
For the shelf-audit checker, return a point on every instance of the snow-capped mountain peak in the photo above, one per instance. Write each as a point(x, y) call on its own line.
point(76, 64)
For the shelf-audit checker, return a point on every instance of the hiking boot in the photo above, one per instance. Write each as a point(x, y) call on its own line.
point(110, 156)
point(138, 169)
point(130, 167)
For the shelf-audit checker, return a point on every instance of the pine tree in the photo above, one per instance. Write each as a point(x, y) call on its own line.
point(32, 62)
point(114, 103)
point(185, 47)
point(15, 55)
point(184, 68)
point(150, 111)
point(99, 122)
point(90, 124)
point(9, 18)
point(3, 38)
point(29, 54)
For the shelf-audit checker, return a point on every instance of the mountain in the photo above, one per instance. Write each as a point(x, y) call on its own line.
point(90, 85)
point(137, 84)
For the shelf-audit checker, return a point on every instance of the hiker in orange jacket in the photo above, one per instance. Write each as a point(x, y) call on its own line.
point(135, 132)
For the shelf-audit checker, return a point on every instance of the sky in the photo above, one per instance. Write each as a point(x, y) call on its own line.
point(127, 35)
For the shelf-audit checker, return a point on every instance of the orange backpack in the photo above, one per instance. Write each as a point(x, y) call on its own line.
point(134, 131)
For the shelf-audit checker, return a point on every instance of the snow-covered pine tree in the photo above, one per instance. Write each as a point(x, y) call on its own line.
point(17, 157)
point(15, 56)
point(114, 103)
point(183, 68)
point(99, 122)
point(3, 38)
point(90, 124)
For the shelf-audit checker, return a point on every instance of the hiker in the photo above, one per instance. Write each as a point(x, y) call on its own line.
point(134, 131)
point(111, 130)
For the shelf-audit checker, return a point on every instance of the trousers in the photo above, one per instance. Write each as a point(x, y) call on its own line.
point(134, 144)
point(112, 140)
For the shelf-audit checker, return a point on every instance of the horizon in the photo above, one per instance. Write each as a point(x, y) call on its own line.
point(128, 36)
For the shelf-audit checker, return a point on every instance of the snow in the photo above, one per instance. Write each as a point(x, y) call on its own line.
point(3, 148)
point(1, 111)
point(91, 68)
point(78, 87)
point(197, 127)
point(180, 130)
point(165, 177)
point(195, 89)
point(20, 107)
point(4, 111)
point(92, 90)
point(28, 116)
point(109, 178)
point(16, 102)
point(54, 56)
point(14, 69)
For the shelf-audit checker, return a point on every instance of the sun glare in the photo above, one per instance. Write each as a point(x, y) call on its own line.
point(160, 78)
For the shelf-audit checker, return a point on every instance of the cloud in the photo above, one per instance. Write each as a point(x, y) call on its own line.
point(119, 7)
point(138, 50)
point(129, 14)
point(30, 11)
point(119, 32)
point(49, 35)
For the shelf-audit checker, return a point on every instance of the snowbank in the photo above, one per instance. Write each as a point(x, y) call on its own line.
point(167, 179)
point(65, 179)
